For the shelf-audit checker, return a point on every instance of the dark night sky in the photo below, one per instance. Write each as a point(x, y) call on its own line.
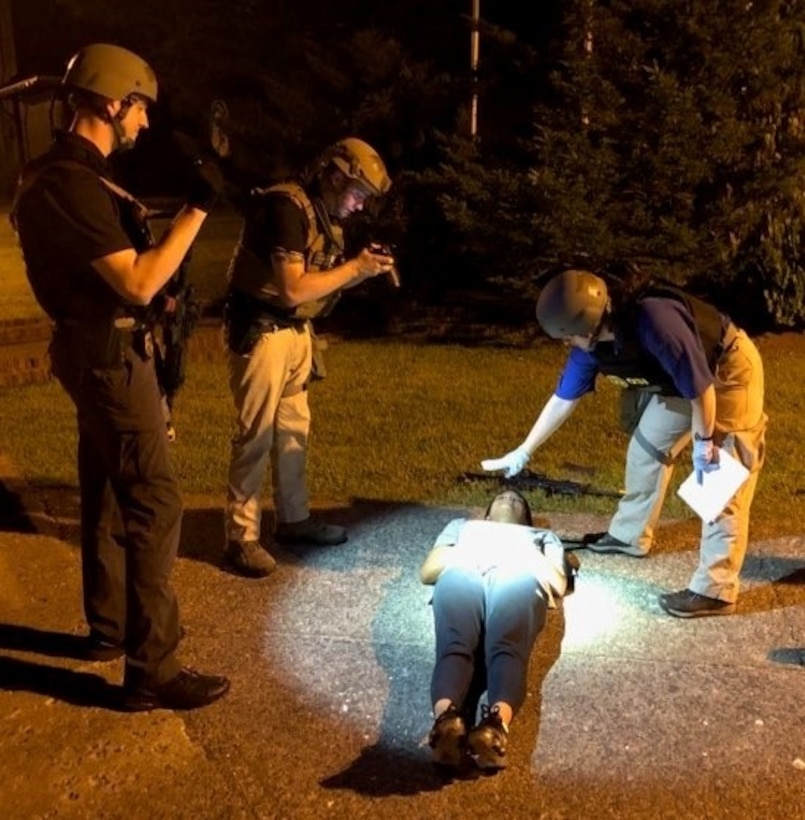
point(46, 34)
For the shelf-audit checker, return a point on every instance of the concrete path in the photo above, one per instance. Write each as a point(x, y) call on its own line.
point(630, 713)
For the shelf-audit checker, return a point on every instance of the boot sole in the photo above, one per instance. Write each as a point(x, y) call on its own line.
point(633, 552)
point(702, 613)
point(448, 751)
point(149, 703)
point(488, 759)
point(104, 655)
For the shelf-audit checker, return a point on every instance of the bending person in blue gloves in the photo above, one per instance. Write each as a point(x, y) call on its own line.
point(703, 380)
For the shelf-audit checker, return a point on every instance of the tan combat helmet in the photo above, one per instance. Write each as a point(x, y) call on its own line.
point(572, 303)
point(111, 72)
point(357, 160)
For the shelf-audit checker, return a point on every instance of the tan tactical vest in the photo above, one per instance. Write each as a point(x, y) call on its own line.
point(323, 247)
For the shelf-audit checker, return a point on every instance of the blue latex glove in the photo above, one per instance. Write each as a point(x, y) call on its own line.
point(511, 464)
point(705, 457)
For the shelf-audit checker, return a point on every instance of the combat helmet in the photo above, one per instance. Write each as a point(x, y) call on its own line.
point(572, 303)
point(111, 72)
point(357, 160)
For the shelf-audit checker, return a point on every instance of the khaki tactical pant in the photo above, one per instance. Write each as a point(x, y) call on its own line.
point(664, 431)
point(269, 388)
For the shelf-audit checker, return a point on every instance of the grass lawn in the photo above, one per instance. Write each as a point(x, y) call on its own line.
point(400, 421)
point(16, 299)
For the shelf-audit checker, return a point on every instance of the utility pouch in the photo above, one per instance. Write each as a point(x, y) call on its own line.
point(246, 319)
point(318, 370)
point(244, 323)
point(240, 330)
point(142, 342)
point(633, 402)
point(241, 333)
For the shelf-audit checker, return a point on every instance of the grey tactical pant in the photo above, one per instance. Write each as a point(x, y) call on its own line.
point(661, 435)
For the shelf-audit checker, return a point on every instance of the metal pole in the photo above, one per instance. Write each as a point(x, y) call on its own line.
point(474, 38)
point(588, 47)
point(8, 68)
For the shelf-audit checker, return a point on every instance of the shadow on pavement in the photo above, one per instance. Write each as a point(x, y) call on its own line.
point(785, 590)
point(795, 577)
point(40, 507)
point(203, 534)
point(77, 688)
point(42, 641)
point(381, 771)
point(785, 570)
point(13, 517)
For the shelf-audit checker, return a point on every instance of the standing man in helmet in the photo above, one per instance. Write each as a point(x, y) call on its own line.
point(287, 269)
point(94, 276)
point(706, 381)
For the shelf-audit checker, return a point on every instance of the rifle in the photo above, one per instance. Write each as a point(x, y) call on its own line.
point(528, 480)
point(178, 311)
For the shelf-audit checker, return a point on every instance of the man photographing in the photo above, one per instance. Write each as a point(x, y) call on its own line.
point(287, 269)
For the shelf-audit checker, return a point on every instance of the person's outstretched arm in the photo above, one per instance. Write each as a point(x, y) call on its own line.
point(436, 561)
point(553, 415)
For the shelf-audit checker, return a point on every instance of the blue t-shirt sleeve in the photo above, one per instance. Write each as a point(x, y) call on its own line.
point(667, 331)
point(578, 376)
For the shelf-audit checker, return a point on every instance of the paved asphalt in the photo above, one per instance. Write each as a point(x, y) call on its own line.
point(630, 713)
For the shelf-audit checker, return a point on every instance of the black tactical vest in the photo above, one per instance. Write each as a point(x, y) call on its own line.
point(133, 220)
point(324, 247)
point(626, 364)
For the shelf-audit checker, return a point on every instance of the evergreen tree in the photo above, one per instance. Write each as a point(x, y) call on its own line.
point(475, 209)
point(673, 137)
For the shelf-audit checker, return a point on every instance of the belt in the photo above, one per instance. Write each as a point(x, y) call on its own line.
point(104, 344)
point(258, 310)
point(130, 323)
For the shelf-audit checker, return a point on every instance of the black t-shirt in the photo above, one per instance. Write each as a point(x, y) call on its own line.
point(66, 218)
point(275, 222)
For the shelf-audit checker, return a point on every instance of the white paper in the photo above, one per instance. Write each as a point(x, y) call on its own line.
point(709, 498)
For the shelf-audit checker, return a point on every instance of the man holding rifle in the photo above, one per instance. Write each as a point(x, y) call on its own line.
point(95, 274)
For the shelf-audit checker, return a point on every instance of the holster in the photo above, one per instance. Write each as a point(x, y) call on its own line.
point(142, 342)
point(246, 319)
point(241, 333)
point(633, 402)
point(318, 369)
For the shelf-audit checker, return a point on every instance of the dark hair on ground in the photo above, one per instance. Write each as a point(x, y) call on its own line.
point(529, 518)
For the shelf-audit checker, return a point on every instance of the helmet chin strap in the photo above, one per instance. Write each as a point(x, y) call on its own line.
point(122, 142)
point(330, 188)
